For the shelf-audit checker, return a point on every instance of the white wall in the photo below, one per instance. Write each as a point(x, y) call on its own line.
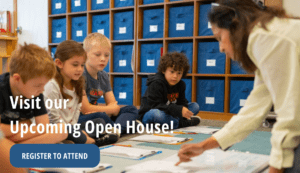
point(33, 18)
point(6, 5)
point(292, 7)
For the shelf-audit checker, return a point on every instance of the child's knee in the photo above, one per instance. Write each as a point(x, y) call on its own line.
point(62, 136)
point(154, 113)
point(61, 128)
point(99, 121)
point(130, 109)
point(81, 139)
point(175, 124)
point(194, 107)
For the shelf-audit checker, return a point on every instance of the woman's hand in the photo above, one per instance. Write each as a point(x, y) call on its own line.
point(188, 151)
point(274, 170)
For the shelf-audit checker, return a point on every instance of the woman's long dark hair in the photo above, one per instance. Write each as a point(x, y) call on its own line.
point(239, 17)
point(66, 50)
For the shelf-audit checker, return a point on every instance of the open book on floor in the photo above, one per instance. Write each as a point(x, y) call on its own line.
point(161, 139)
point(211, 161)
point(127, 152)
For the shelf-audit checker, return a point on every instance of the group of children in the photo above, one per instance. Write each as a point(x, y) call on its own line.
point(77, 74)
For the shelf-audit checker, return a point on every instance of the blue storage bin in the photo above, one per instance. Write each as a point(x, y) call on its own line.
point(58, 33)
point(181, 21)
point(239, 91)
point(210, 95)
point(153, 23)
point(52, 51)
point(210, 60)
point(188, 89)
point(123, 25)
point(123, 90)
point(204, 24)
point(186, 48)
point(235, 68)
point(123, 3)
point(100, 24)
point(99, 4)
point(144, 87)
point(152, 1)
point(106, 69)
point(122, 58)
point(79, 28)
point(150, 55)
point(78, 5)
point(58, 6)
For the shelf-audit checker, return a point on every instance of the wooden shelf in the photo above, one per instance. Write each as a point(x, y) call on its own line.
point(4, 37)
point(185, 2)
point(122, 41)
point(208, 75)
point(145, 74)
point(150, 39)
point(8, 41)
point(53, 44)
point(178, 38)
point(78, 13)
point(4, 56)
point(242, 75)
point(151, 5)
point(120, 74)
point(138, 40)
point(123, 8)
point(57, 15)
point(204, 37)
point(98, 11)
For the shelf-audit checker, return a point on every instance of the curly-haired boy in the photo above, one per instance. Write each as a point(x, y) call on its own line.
point(164, 100)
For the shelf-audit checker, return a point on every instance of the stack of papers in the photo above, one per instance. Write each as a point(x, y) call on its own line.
point(211, 161)
point(127, 152)
point(155, 166)
point(198, 129)
point(160, 139)
point(99, 167)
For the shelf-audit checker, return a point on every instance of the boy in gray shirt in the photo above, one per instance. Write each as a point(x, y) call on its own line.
point(98, 49)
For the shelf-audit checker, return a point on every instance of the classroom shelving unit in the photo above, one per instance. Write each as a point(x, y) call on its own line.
point(166, 41)
point(8, 41)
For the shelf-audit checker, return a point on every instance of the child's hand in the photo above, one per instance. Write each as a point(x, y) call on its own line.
point(112, 103)
point(115, 108)
point(186, 113)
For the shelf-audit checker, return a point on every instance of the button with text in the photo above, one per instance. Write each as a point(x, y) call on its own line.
point(54, 155)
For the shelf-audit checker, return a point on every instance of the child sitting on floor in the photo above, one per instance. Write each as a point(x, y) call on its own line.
point(164, 100)
point(69, 84)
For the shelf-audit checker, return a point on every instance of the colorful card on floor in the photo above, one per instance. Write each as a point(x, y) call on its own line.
point(161, 139)
point(127, 152)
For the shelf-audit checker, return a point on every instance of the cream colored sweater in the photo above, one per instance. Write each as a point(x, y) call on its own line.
point(276, 53)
